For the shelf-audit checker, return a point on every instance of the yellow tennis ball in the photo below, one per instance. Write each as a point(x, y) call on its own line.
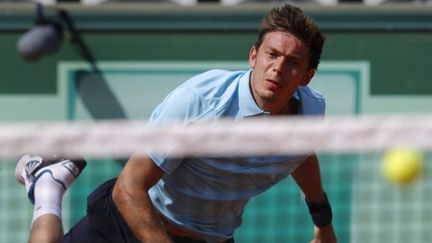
point(402, 165)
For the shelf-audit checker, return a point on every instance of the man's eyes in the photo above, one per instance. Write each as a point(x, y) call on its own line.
point(272, 54)
point(294, 61)
point(289, 60)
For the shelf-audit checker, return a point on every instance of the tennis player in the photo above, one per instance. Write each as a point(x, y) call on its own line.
point(157, 198)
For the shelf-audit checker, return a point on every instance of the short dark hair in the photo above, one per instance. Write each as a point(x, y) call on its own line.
point(292, 20)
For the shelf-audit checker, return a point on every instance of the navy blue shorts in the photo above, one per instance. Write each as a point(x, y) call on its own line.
point(104, 223)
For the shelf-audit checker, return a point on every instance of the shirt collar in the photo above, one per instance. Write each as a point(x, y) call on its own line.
point(296, 95)
point(247, 105)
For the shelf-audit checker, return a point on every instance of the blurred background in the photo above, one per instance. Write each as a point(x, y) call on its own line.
point(124, 56)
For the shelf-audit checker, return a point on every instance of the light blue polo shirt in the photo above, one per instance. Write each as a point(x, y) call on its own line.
point(207, 195)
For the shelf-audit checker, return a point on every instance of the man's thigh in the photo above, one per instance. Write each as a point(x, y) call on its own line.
point(103, 222)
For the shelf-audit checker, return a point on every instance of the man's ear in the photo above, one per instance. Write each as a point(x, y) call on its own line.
point(308, 77)
point(252, 57)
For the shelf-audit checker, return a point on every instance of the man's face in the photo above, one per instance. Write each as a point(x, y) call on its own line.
point(279, 66)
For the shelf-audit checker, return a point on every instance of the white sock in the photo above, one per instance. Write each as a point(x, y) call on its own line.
point(48, 196)
point(50, 187)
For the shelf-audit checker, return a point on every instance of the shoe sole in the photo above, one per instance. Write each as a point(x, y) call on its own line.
point(80, 163)
point(20, 168)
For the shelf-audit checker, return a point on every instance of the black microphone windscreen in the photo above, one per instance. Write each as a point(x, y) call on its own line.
point(38, 41)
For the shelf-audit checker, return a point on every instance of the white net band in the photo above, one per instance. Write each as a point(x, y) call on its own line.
point(260, 136)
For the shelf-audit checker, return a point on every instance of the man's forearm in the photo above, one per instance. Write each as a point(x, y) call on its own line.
point(138, 212)
point(130, 194)
point(308, 178)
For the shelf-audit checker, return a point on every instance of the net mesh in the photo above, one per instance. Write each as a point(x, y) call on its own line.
point(366, 207)
point(253, 136)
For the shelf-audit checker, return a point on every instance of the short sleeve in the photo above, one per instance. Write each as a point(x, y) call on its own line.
point(312, 101)
point(183, 106)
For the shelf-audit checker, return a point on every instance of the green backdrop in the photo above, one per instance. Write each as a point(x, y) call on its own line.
point(392, 45)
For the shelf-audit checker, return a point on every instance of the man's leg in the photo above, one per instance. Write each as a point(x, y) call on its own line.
point(103, 222)
point(46, 182)
point(46, 228)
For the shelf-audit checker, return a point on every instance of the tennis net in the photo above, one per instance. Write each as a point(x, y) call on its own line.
point(366, 207)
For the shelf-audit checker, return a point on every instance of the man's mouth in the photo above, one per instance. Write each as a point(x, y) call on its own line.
point(273, 84)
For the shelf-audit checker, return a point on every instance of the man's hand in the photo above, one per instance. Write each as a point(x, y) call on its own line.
point(324, 234)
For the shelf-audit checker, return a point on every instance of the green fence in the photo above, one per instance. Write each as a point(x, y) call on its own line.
point(376, 60)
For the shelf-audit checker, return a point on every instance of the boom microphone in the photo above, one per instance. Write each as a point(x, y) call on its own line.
point(40, 40)
point(43, 38)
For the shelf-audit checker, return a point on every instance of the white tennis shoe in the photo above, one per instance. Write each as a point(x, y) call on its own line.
point(62, 171)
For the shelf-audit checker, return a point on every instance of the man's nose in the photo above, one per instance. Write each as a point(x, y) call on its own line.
point(278, 65)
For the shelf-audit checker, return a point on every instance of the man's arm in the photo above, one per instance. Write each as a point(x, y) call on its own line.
point(308, 178)
point(130, 194)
